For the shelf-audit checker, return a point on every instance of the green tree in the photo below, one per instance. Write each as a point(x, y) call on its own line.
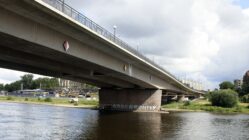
point(13, 86)
point(27, 80)
point(226, 85)
point(245, 98)
point(245, 85)
point(46, 83)
point(1, 87)
point(224, 98)
point(29, 83)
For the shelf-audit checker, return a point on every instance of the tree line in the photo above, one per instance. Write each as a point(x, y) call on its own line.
point(27, 81)
point(243, 90)
point(229, 94)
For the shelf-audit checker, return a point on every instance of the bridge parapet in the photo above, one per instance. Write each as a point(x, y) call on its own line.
point(82, 19)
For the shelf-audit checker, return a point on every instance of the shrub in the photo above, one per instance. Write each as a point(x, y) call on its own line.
point(10, 98)
point(48, 99)
point(238, 108)
point(245, 98)
point(75, 104)
point(224, 98)
point(187, 103)
point(207, 95)
point(39, 98)
point(26, 99)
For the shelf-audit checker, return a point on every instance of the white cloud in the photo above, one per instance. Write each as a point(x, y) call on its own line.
point(207, 38)
point(8, 76)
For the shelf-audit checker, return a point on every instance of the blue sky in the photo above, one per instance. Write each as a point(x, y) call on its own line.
point(242, 3)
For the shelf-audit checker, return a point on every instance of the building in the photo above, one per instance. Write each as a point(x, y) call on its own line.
point(193, 84)
point(237, 84)
point(63, 83)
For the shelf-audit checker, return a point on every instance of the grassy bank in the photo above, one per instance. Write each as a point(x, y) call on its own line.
point(83, 103)
point(204, 105)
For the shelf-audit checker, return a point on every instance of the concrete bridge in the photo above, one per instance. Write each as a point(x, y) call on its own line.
point(50, 38)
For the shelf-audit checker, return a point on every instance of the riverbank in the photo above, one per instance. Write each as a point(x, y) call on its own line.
point(61, 102)
point(204, 105)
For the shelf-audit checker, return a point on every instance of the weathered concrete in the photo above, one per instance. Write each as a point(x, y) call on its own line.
point(130, 99)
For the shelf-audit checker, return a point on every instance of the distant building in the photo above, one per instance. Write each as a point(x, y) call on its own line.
point(193, 84)
point(69, 84)
point(237, 83)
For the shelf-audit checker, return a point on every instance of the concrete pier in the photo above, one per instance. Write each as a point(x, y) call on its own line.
point(130, 99)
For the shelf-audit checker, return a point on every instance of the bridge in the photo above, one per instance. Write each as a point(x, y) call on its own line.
point(49, 37)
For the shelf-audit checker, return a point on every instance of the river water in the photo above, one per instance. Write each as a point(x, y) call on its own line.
point(31, 122)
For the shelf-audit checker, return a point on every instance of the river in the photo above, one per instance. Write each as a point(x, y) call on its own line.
point(31, 122)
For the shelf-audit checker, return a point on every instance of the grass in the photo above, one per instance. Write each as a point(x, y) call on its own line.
point(50, 101)
point(204, 105)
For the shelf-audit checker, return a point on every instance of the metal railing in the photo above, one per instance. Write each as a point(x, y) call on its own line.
point(71, 12)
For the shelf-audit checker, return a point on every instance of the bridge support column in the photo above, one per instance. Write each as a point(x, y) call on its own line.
point(180, 98)
point(130, 99)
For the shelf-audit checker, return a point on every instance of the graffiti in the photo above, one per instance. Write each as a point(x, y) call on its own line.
point(129, 107)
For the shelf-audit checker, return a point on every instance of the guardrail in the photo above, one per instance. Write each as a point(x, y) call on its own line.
point(71, 12)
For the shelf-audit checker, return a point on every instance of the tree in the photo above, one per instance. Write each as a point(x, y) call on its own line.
point(13, 86)
point(29, 83)
point(1, 87)
point(224, 98)
point(46, 83)
point(245, 85)
point(226, 85)
point(27, 80)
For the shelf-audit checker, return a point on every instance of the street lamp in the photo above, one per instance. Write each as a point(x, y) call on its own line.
point(63, 5)
point(114, 31)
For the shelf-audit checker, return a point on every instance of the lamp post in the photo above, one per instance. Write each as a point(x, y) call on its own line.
point(63, 4)
point(21, 86)
point(114, 31)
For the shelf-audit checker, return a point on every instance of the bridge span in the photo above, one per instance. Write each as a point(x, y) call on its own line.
point(50, 38)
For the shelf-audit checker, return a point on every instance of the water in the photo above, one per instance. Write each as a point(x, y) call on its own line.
point(31, 122)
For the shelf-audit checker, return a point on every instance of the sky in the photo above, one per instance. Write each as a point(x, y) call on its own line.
point(203, 40)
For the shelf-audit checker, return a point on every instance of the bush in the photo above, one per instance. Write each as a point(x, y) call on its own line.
point(26, 99)
point(238, 108)
point(187, 103)
point(48, 99)
point(39, 98)
point(10, 98)
point(207, 95)
point(245, 98)
point(75, 104)
point(224, 98)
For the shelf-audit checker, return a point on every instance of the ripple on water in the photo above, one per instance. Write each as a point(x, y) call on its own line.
point(25, 121)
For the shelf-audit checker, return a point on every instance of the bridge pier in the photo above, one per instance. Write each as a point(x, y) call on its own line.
point(130, 99)
point(180, 98)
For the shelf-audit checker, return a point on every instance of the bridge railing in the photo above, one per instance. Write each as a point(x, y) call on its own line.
point(71, 12)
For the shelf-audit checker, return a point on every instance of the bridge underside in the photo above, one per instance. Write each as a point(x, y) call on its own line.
point(32, 41)
point(21, 55)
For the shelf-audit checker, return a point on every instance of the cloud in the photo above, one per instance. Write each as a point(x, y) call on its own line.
point(8, 76)
point(205, 40)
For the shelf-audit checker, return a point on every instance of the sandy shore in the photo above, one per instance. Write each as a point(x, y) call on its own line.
point(51, 104)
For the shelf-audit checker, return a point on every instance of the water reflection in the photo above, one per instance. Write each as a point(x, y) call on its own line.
point(130, 126)
point(22, 121)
